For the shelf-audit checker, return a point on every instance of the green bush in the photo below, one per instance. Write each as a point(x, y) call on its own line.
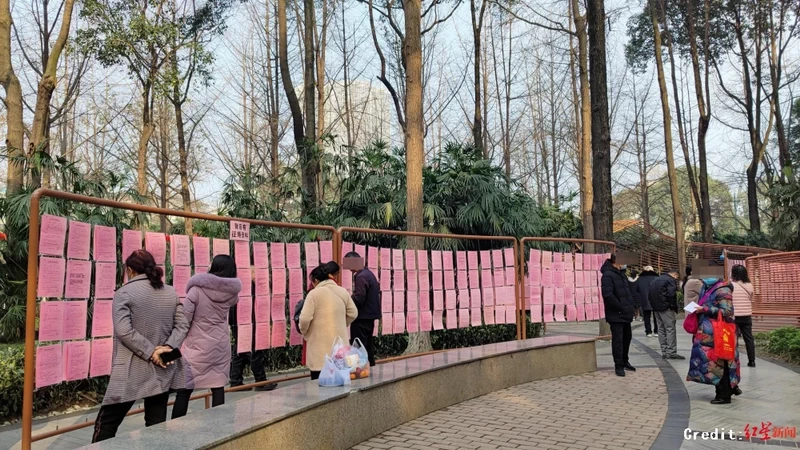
point(785, 342)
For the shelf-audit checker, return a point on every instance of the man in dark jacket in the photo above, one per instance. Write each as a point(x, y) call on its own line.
point(366, 296)
point(618, 304)
point(664, 301)
point(643, 283)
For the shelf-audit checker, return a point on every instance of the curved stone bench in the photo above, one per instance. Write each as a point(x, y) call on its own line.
point(306, 416)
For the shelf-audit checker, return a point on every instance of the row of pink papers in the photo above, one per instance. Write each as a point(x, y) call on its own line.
point(72, 361)
point(62, 320)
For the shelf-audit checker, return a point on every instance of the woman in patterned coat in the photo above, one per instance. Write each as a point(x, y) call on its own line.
point(704, 367)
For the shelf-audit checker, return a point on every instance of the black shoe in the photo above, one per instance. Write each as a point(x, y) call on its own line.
point(663, 356)
point(620, 372)
point(719, 401)
point(751, 364)
point(737, 391)
point(628, 366)
point(676, 356)
point(266, 387)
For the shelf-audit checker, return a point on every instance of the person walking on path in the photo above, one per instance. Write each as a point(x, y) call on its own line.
point(664, 301)
point(327, 312)
point(618, 305)
point(743, 306)
point(647, 277)
point(704, 366)
point(148, 322)
point(366, 296)
point(205, 351)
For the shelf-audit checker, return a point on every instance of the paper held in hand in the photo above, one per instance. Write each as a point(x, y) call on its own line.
point(691, 307)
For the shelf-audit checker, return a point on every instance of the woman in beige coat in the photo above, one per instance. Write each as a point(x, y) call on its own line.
point(327, 312)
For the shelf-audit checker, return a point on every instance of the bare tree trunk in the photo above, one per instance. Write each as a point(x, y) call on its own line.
point(585, 155)
point(477, 118)
point(320, 50)
point(15, 130)
point(163, 164)
point(144, 138)
point(272, 98)
point(183, 154)
point(311, 168)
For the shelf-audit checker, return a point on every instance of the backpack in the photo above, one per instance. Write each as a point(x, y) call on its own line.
point(297, 310)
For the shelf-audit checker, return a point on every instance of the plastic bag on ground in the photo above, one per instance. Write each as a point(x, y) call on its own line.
point(331, 376)
point(358, 360)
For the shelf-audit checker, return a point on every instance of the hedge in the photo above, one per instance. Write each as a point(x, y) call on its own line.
point(783, 342)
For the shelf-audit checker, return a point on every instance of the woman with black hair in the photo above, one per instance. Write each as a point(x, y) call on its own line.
point(743, 309)
point(148, 322)
point(206, 351)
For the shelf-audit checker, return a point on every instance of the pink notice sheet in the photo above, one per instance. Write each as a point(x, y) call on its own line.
point(279, 282)
point(262, 308)
point(475, 317)
point(559, 294)
point(425, 301)
point(422, 260)
point(474, 279)
point(76, 360)
point(386, 279)
point(105, 280)
point(262, 336)
point(486, 259)
point(424, 280)
point(487, 279)
point(279, 308)
point(295, 338)
point(399, 323)
point(180, 278)
point(580, 296)
point(461, 279)
point(572, 313)
point(131, 241)
point(499, 314)
point(451, 319)
point(372, 257)
point(244, 341)
point(412, 322)
point(547, 260)
point(386, 301)
point(536, 313)
point(386, 258)
point(51, 321)
point(200, 269)
point(296, 281)
point(398, 280)
point(438, 280)
point(398, 301)
point(488, 315)
point(559, 313)
point(534, 276)
point(262, 281)
point(511, 276)
point(347, 247)
point(52, 235)
point(497, 259)
point(488, 296)
point(436, 260)
point(101, 357)
point(426, 321)
point(241, 253)
point(569, 295)
point(411, 259)
point(508, 255)
point(325, 251)
point(581, 313)
point(221, 247)
point(260, 255)
point(463, 298)
point(547, 277)
point(447, 260)
point(449, 280)
point(180, 250)
point(79, 279)
point(472, 260)
point(412, 280)
point(558, 278)
point(461, 260)
point(579, 278)
point(463, 318)
point(105, 244)
point(51, 277)
point(79, 240)
point(437, 319)
point(499, 278)
point(75, 320)
point(361, 250)
point(548, 296)
point(102, 322)
point(511, 315)
point(578, 261)
point(535, 294)
point(397, 259)
point(245, 276)
point(312, 254)
point(244, 311)
point(386, 323)
point(535, 258)
point(278, 255)
point(202, 251)
point(596, 312)
point(475, 298)
point(450, 299)
point(48, 366)
point(293, 256)
point(438, 300)
point(547, 313)
point(155, 243)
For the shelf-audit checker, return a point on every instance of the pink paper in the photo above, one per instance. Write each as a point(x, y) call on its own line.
point(474, 280)
point(399, 323)
point(547, 277)
point(101, 358)
point(244, 339)
point(105, 243)
point(534, 276)
point(463, 298)
point(102, 322)
point(437, 319)
point(461, 260)
point(536, 314)
point(547, 261)
point(386, 258)
point(105, 280)
point(451, 319)
point(450, 299)
point(244, 275)
point(397, 259)
point(239, 231)
point(155, 243)
point(361, 250)
point(412, 301)
point(559, 313)
point(75, 320)
point(548, 296)
point(486, 259)
point(51, 321)
point(325, 251)
point(581, 313)
point(78, 279)
point(508, 254)
point(424, 280)
point(312, 255)
point(241, 253)
point(412, 281)
point(76, 360)
point(447, 260)
point(487, 278)
point(475, 298)
point(262, 308)
point(295, 281)
point(472, 260)
point(79, 239)
point(278, 255)
point(51, 277)
point(386, 301)
point(386, 324)
point(412, 323)
point(572, 313)
point(505, 295)
point(200, 269)
point(398, 280)
point(398, 301)
point(424, 301)
point(461, 279)
point(499, 277)
point(488, 315)
point(511, 276)
point(580, 296)
point(488, 296)
point(295, 338)
point(221, 247)
point(262, 281)
point(449, 280)
point(262, 336)
point(131, 241)
point(279, 308)
point(180, 250)
point(244, 311)
point(386, 280)
point(347, 247)
point(293, 256)
point(180, 278)
point(279, 282)
point(559, 295)
point(436, 259)
point(52, 235)
point(426, 321)
point(48, 366)
point(578, 262)
point(511, 315)
point(422, 260)
point(372, 257)
point(535, 295)
point(438, 300)
point(463, 318)
point(497, 259)
point(535, 258)
point(411, 259)
point(548, 313)
point(438, 279)
point(475, 317)
point(202, 250)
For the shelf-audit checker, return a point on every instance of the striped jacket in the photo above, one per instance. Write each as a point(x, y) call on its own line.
point(742, 299)
point(144, 318)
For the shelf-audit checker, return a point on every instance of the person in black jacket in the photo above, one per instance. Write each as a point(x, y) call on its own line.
point(618, 304)
point(664, 300)
point(647, 276)
point(635, 294)
point(366, 296)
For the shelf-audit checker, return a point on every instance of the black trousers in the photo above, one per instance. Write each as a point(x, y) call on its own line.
point(181, 405)
point(724, 389)
point(239, 360)
point(744, 325)
point(363, 330)
point(315, 374)
point(110, 416)
point(647, 328)
point(620, 343)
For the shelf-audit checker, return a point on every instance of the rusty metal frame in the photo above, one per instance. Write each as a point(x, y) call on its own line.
point(517, 301)
point(33, 275)
point(521, 264)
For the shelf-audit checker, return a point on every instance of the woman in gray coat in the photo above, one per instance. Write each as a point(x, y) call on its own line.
point(148, 322)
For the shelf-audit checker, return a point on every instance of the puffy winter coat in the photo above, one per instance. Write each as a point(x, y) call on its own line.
point(663, 293)
point(617, 298)
point(704, 367)
point(643, 283)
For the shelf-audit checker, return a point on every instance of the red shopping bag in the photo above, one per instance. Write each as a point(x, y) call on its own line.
point(724, 338)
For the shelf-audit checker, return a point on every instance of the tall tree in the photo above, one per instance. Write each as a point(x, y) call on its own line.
point(15, 128)
point(584, 120)
point(477, 12)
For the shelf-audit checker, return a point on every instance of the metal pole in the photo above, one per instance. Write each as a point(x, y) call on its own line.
point(30, 323)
